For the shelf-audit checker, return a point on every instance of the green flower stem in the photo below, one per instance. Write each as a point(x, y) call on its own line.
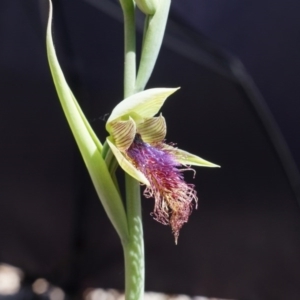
point(89, 146)
point(155, 28)
point(134, 248)
point(128, 7)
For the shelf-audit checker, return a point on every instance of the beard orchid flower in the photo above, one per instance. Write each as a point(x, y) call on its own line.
point(137, 139)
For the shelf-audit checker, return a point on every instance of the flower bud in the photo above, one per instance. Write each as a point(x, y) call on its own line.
point(148, 7)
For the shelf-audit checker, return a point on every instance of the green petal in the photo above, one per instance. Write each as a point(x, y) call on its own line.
point(153, 130)
point(123, 133)
point(140, 106)
point(126, 165)
point(187, 158)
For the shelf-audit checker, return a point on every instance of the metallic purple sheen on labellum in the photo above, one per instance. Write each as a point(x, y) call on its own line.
point(174, 198)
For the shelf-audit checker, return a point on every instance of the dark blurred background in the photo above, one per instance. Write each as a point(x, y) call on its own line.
point(238, 66)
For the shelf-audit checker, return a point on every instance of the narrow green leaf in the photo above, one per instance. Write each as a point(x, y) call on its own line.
point(87, 141)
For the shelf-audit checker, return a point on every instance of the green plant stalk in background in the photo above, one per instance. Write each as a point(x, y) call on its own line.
point(133, 248)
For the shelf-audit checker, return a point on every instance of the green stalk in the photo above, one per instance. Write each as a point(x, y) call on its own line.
point(153, 36)
point(129, 46)
point(133, 247)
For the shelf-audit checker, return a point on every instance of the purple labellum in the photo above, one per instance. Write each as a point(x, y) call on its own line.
point(173, 196)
